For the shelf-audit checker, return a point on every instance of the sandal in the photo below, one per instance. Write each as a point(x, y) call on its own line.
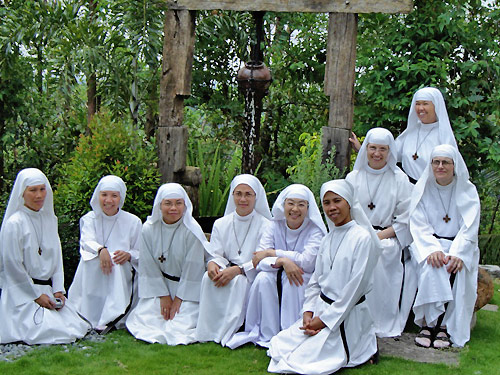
point(424, 337)
point(374, 359)
point(442, 339)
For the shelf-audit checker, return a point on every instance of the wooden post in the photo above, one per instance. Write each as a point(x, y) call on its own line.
point(175, 85)
point(339, 85)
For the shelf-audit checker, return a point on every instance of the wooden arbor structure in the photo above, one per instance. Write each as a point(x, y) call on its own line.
point(178, 49)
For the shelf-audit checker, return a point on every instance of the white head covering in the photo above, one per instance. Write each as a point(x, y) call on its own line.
point(108, 183)
point(176, 191)
point(378, 136)
point(261, 205)
point(466, 196)
point(31, 177)
point(445, 131)
point(298, 191)
point(346, 191)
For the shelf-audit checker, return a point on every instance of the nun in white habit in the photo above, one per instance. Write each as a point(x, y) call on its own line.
point(230, 271)
point(109, 247)
point(171, 266)
point(32, 268)
point(444, 223)
point(336, 329)
point(285, 261)
point(384, 193)
point(428, 126)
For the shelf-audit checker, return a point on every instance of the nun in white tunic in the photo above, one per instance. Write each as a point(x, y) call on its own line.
point(384, 192)
point(234, 239)
point(31, 268)
point(171, 266)
point(275, 300)
point(444, 220)
point(415, 144)
point(103, 295)
point(336, 329)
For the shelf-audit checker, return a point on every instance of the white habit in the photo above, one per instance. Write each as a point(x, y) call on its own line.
point(26, 269)
point(171, 264)
point(264, 317)
point(222, 310)
point(389, 190)
point(98, 297)
point(430, 203)
point(344, 266)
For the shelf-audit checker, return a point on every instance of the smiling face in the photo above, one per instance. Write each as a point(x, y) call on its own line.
point(34, 197)
point(295, 212)
point(244, 199)
point(426, 111)
point(336, 208)
point(172, 209)
point(443, 169)
point(109, 202)
point(377, 155)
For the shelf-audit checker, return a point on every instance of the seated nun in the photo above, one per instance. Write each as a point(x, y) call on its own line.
point(171, 266)
point(32, 305)
point(336, 329)
point(384, 193)
point(444, 223)
point(285, 261)
point(102, 289)
point(230, 270)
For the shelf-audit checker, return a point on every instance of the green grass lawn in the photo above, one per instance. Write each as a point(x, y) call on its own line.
point(122, 354)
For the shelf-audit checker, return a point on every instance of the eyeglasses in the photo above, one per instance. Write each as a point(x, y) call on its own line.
point(169, 204)
point(247, 195)
point(301, 205)
point(445, 163)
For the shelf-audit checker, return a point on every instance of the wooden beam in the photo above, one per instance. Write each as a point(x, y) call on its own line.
point(313, 6)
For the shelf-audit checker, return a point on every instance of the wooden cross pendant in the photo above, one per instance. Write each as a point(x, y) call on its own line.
point(371, 206)
point(446, 219)
point(162, 258)
point(39, 251)
point(415, 156)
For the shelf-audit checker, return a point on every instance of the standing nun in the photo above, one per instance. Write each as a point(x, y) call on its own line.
point(285, 261)
point(171, 267)
point(444, 223)
point(384, 193)
point(336, 329)
point(102, 289)
point(428, 126)
point(230, 270)
point(32, 304)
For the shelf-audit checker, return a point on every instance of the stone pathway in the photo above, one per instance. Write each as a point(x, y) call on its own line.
point(404, 347)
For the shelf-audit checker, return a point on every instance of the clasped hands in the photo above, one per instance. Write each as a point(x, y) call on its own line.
point(438, 259)
point(221, 278)
point(311, 326)
point(119, 257)
point(46, 302)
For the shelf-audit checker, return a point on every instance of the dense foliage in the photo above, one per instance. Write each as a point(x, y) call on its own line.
point(112, 147)
point(59, 57)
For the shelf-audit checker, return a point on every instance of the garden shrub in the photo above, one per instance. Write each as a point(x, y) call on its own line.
point(112, 147)
point(489, 246)
point(310, 170)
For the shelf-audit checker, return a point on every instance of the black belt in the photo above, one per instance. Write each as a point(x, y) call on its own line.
point(42, 282)
point(442, 237)
point(412, 180)
point(170, 277)
point(330, 301)
point(376, 227)
point(342, 326)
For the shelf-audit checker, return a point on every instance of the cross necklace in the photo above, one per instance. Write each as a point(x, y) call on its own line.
point(39, 239)
point(162, 258)
point(371, 206)
point(337, 249)
point(105, 240)
point(446, 218)
point(298, 236)
point(244, 238)
point(415, 155)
